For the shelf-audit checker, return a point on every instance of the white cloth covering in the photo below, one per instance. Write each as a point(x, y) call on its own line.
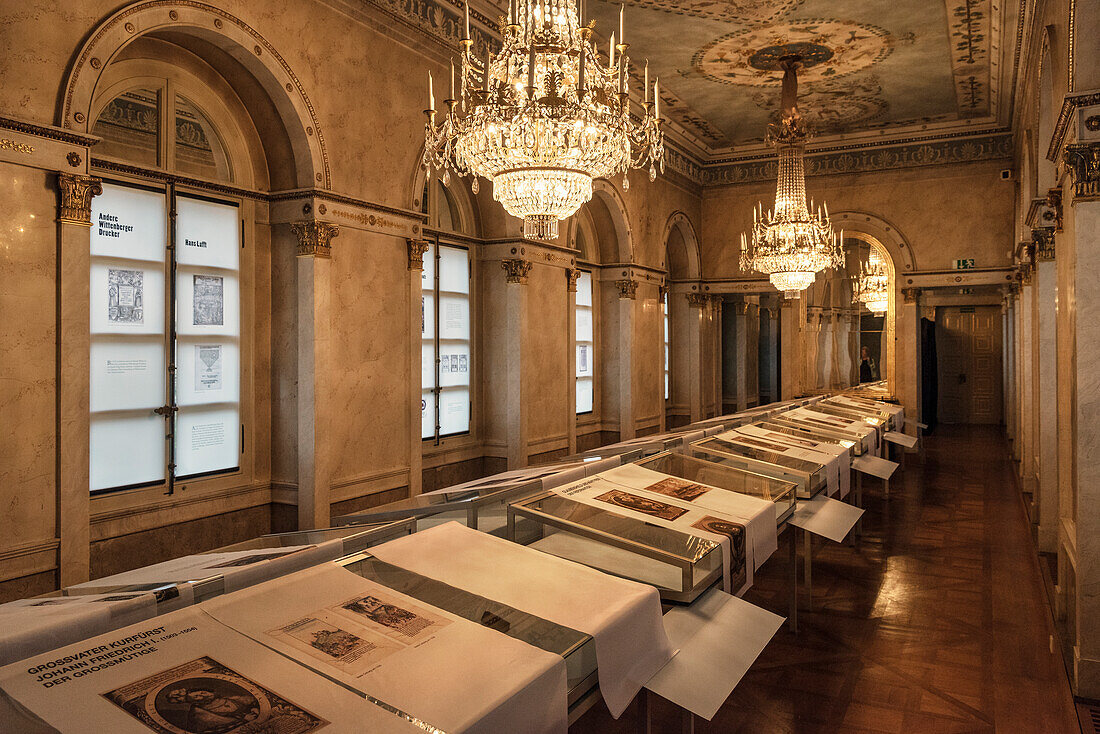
point(833, 455)
point(79, 695)
point(623, 617)
point(237, 568)
point(758, 515)
point(449, 671)
point(33, 626)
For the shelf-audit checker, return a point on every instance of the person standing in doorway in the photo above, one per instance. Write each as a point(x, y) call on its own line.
point(867, 370)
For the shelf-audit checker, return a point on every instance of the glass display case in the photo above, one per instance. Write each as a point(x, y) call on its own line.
point(576, 648)
point(681, 566)
point(208, 584)
point(893, 414)
point(830, 426)
point(876, 422)
point(482, 508)
point(810, 477)
point(853, 444)
point(743, 481)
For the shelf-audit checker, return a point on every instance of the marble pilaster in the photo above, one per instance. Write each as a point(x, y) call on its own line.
point(315, 412)
point(74, 238)
point(417, 249)
point(1046, 405)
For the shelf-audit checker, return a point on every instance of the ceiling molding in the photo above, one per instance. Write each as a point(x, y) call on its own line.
point(862, 158)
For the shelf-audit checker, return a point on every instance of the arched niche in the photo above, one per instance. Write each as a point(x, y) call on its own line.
point(608, 211)
point(225, 43)
point(681, 255)
point(583, 236)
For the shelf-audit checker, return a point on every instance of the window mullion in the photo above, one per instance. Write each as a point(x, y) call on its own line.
point(438, 375)
point(170, 319)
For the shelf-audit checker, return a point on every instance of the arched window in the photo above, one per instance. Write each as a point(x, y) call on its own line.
point(167, 356)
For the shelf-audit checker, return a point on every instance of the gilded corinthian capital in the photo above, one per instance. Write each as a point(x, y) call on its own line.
point(314, 237)
point(76, 197)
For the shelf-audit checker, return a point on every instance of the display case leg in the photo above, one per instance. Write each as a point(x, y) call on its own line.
point(807, 570)
point(792, 581)
point(859, 503)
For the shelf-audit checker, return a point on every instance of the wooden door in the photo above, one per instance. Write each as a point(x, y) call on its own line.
point(968, 345)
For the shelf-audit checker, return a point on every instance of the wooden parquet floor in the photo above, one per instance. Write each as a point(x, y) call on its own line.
point(935, 622)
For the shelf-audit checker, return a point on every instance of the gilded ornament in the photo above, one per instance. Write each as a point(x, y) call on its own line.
point(76, 197)
point(627, 288)
point(417, 248)
point(315, 238)
point(516, 270)
point(571, 275)
point(697, 300)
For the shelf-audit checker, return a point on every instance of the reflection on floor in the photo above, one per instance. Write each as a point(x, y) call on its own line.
point(936, 622)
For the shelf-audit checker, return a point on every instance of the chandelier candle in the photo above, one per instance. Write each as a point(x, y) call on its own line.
point(544, 117)
point(790, 244)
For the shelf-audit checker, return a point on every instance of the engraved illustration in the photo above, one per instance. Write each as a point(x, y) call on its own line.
point(125, 296)
point(205, 697)
point(642, 504)
point(208, 367)
point(209, 300)
point(679, 488)
point(404, 621)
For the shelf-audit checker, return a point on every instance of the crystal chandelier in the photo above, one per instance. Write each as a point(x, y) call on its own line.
point(792, 243)
point(544, 117)
point(873, 286)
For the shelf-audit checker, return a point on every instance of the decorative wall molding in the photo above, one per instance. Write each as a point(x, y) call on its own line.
point(315, 237)
point(1054, 201)
point(516, 270)
point(76, 198)
point(1070, 104)
point(1083, 160)
point(417, 248)
point(910, 295)
point(48, 132)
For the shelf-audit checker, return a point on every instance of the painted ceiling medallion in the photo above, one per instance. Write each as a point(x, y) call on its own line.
point(831, 49)
point(742, 12)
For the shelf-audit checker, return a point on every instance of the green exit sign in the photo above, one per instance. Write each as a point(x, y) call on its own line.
point(964, 264)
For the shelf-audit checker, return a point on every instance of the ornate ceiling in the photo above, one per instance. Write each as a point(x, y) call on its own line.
point(878, 66)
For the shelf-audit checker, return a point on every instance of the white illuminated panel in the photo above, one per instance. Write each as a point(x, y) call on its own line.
point(584, 395)
point(207, 302)
point(125, 449)
point(207, 371)
point(668, 353)
point(208, 334)
point(129, 223)
point(454, 410)
point(207, 234)
point(207, 439)
point(585, 344)
point(127, 352)
point(127, 297)
point(126, 374)
point(427, 414)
